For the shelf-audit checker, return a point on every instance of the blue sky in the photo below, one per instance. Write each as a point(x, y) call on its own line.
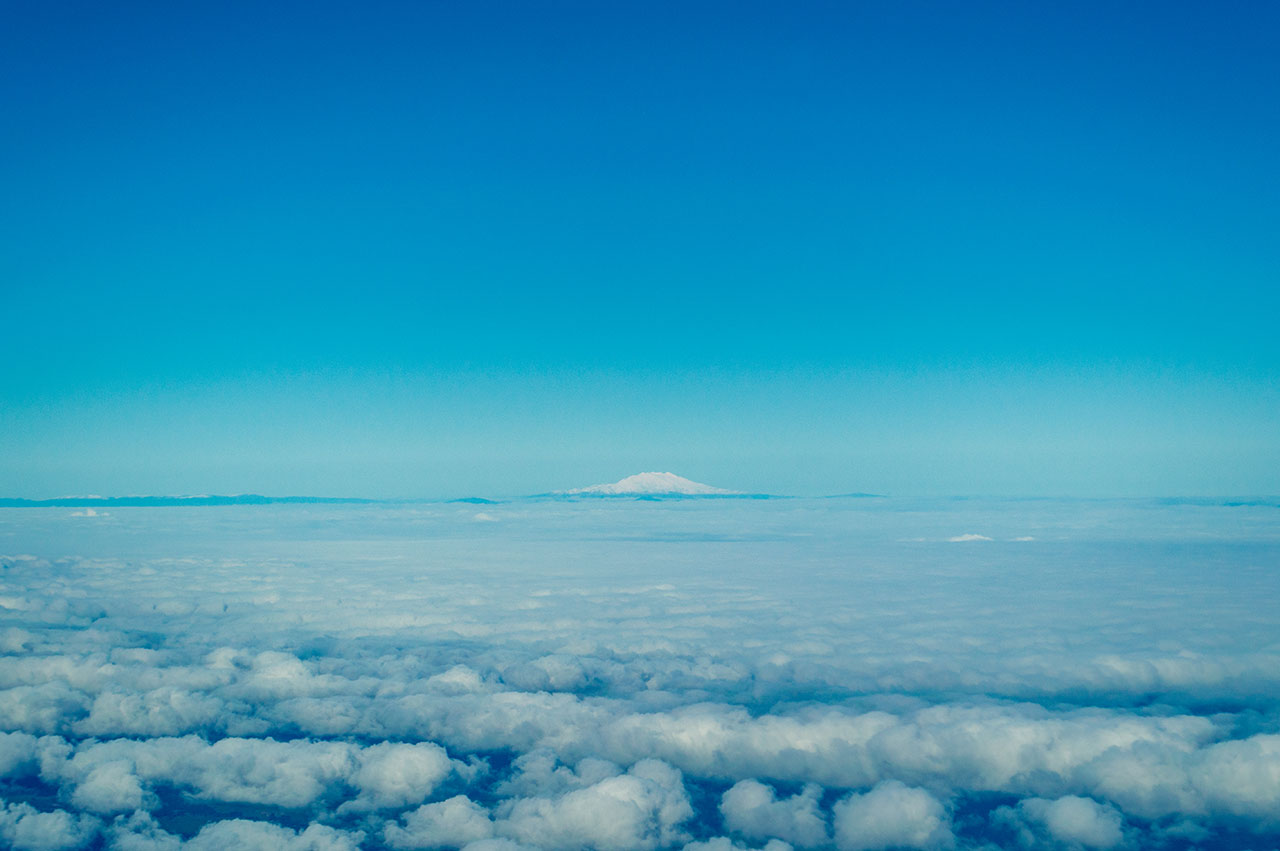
point(434, 248)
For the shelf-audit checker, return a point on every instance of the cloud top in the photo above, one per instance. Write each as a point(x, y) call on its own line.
point(721, 675)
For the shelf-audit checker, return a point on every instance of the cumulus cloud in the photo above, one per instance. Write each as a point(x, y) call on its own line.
point(118, 775)
point(496, 844)
point(397, 775)
point(892, 815)
point(141, 832)
point(452, 823)
point(264, 836)
point(24, 828)
point(110, 787)
point(724, 843)
point(751, 809)
point(642, 809)
point(1068, 821)
point(539, 773)
point(609, 674)
point(17, 753)
point(165, 711)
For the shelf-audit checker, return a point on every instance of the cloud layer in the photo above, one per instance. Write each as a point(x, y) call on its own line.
point(630, 675)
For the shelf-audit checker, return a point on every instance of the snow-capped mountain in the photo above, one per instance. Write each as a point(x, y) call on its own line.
point(653, 483)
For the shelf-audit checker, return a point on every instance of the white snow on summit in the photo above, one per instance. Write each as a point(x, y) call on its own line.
point(653, 483)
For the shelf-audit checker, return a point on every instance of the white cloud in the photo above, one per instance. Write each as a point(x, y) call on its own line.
point(140, 832)
point(497, 844)
point(751, 809)
point(724, 843)
point(538, 773)
point(318, 664)
point(958, 539)
point(109, 788)
point(642, 809)
point(892, 815)
point(15, 640)
point(24, 828)
point(165, 711)
point(1068, 821)
point(452, 823)
point(116, 776)
point(397, 775)
point(17, 754)
point(245, 835)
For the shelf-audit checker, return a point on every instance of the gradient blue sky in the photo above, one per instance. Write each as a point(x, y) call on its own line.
point(419, 249)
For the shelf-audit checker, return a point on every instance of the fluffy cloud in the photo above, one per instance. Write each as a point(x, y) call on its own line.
point(751, 809)
point(724, 843)
point(263, 836)
point(539, 773)
point(892, 815)
point(23, 828)
point(635, 675)
point(397, 775)
point(452, 823)
point(140, 832)
point(110, 787)
point(496, 844)
point(1068, 821)
point(166, 711)
point(642, 809)
point(116, 776)
point(17, 753)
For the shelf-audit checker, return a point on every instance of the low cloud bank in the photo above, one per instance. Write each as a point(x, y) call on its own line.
point(710, 677)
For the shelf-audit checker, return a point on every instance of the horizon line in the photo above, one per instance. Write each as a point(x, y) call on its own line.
point(253, 499)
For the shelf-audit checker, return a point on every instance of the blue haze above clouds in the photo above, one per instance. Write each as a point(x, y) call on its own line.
point(437, 250)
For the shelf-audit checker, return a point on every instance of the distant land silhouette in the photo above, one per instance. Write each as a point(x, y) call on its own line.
point(155, 501)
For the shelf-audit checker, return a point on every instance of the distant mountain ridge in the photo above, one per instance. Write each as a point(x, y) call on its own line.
point(167, 501)
point(651, 485)
point(620, 489)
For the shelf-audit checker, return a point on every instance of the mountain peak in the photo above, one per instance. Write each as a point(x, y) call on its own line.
point(653, 483)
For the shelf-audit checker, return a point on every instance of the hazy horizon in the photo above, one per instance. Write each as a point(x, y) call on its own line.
point(569, 494)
